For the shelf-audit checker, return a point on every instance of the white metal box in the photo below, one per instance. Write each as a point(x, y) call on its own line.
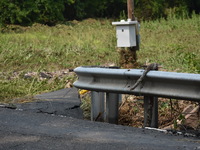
point(126, 33)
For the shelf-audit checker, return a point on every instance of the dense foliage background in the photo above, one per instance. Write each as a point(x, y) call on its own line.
point(50, 12)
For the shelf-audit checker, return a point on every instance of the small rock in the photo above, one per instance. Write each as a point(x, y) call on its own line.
point(69, 85)
point(46, 75)
point(30, 75)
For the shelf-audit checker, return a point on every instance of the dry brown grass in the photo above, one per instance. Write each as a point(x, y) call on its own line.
point(169, 111)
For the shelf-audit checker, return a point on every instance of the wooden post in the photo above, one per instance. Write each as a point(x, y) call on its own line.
point(128, 57)
point(130, 9)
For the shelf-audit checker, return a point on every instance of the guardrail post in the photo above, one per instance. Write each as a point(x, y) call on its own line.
point(97, 106)
point(150, 111)
point(112, 104)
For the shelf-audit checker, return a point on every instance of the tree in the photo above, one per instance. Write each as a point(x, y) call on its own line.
point(50, 12)
point(25, 12)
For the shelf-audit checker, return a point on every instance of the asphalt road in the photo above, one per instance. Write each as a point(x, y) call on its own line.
point(33, 129)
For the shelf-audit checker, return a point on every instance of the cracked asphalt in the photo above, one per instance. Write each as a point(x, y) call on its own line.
point(54, 122)
point(64, 102)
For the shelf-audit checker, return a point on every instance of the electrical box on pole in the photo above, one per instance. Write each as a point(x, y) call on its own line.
point(128, 38)
point(127, 33)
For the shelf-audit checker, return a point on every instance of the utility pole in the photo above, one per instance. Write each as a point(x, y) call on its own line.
point(130, 9)
point(128, 56)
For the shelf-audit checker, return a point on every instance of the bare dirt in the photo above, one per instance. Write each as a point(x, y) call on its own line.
point(172, 114)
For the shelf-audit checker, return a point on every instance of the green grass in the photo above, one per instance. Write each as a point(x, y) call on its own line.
point(174, 44)
point(57, 47)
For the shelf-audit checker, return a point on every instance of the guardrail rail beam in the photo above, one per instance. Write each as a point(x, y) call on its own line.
point(114, 81)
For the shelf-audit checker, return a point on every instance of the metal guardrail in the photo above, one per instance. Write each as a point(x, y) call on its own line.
point(182, 86)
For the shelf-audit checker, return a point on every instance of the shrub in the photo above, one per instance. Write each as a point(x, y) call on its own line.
point(28, 12)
